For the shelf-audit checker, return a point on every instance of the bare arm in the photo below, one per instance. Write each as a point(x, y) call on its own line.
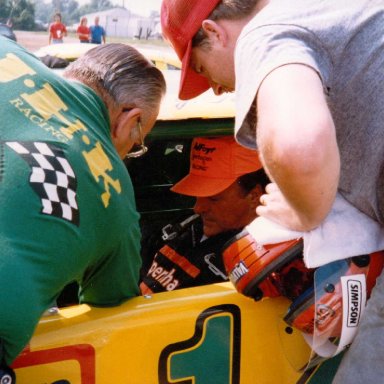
point(297, 142)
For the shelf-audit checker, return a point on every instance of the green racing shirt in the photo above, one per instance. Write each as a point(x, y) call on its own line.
point(67, 208)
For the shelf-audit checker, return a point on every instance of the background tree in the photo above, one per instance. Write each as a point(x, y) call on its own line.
point(43, 12)
point(24, 13)
point(69, 9)
point(95, 6)
point(25, 20)
point(5, 10)
point(21, 13)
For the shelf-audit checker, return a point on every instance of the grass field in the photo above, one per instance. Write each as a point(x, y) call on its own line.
point(35, 40)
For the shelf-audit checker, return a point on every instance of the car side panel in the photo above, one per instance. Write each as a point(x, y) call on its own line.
point(202, 335)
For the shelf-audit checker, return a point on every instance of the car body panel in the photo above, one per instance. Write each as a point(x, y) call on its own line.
point(205, 106)
point(162, 57)
point(67, 51)
point(211, 333)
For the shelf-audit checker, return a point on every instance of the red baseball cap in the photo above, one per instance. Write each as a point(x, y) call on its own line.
point(180, 21)
point(215, 164)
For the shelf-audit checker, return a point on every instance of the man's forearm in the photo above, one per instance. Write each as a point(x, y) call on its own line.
point(296, 137)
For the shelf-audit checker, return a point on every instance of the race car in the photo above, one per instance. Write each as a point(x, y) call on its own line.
point(204, 335)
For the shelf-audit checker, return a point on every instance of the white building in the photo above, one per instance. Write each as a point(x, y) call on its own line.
point(121, 22)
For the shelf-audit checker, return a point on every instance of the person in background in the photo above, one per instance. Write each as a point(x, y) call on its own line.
point(63, 178)
point(227, 181)
point(309, 90)
point(57, 30)
point(97, 32)
point(83, 31)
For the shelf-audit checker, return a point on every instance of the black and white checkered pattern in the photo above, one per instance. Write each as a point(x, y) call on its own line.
point(52, 178)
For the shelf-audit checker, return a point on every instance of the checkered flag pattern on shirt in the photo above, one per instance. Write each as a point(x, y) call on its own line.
point(52, 178)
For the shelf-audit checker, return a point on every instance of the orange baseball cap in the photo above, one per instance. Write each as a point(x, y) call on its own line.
point(180, 21)
point(215, 164)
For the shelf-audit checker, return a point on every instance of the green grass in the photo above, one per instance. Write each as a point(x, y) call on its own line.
point(125, 40)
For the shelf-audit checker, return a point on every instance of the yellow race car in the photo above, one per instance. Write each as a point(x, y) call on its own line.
point(204, 335)
point(162, 57)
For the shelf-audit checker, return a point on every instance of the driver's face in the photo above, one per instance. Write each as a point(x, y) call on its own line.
point(228, 210)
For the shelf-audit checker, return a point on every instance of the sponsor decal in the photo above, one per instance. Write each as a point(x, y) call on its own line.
point(163, 276)
point(354, 297)
point(73, 364)
point(211, 355)
point(238, 272)
point(201, 155)
point(337, 319)
point(44, 108)
point(201, 147)
point(324, 315)
point(52, 178)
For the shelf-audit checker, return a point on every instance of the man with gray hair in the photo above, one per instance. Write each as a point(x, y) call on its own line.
point(67, 204)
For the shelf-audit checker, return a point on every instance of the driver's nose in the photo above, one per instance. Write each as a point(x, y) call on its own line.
point(217, 88)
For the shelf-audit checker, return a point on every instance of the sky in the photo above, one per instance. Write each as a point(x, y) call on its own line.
point(141, 7)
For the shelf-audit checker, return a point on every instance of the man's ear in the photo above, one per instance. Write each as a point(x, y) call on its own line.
point(124, 122)
point(254, 195)
point(122, 125)
point(215, 31)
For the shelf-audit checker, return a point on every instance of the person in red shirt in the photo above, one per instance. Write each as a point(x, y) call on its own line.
point(83, 31)
point(57, 30)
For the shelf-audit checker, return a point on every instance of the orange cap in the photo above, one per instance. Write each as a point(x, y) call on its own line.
point(215, 164)
point(180, 21)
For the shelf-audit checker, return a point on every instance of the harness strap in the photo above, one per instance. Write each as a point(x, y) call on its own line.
point(7, 375)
